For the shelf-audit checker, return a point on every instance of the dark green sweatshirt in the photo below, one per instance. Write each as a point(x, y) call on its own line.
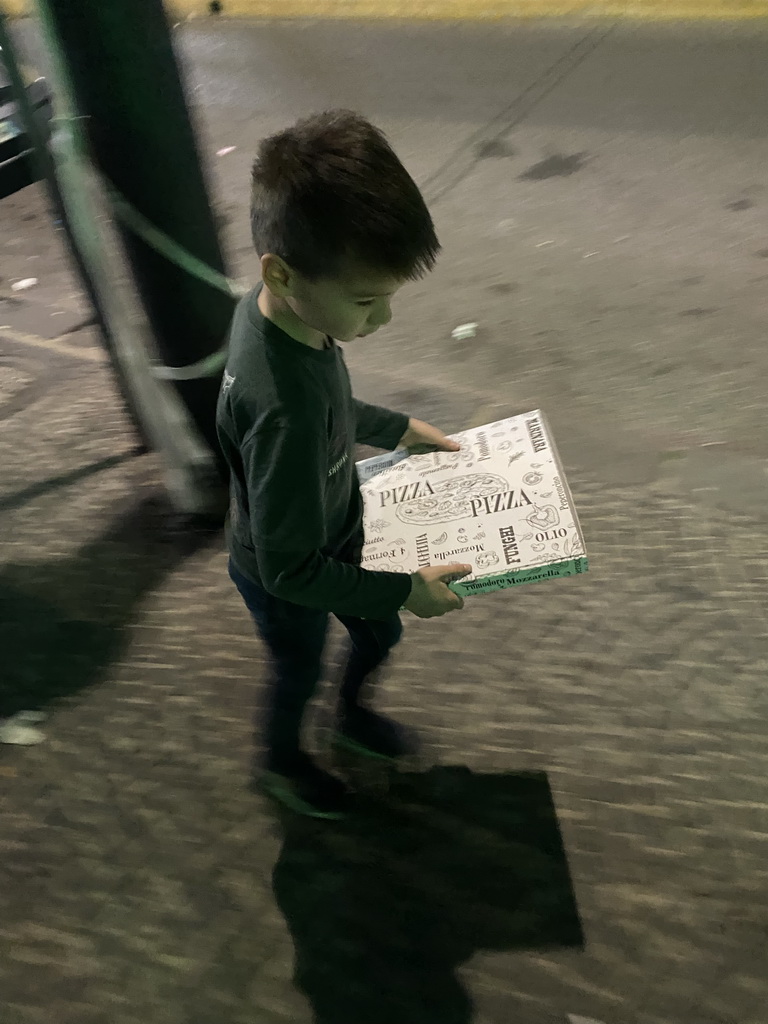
point(287, 424)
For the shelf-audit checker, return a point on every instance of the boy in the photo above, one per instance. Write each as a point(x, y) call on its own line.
point(339, 227)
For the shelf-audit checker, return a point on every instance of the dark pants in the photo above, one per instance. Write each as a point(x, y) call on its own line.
point(295, 637)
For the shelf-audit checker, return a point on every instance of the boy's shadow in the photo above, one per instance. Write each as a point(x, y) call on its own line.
point(385, 906)
point(63, 622)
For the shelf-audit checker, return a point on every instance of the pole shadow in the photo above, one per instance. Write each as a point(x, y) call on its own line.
point(63, 622)
point(386, 905)
point(18, 499)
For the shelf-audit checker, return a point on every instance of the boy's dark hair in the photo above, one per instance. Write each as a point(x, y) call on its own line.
point(330, 191)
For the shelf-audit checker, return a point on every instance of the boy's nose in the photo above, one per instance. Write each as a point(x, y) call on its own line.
point(382, 321)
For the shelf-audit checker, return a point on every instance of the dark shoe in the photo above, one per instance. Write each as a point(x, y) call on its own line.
point(372, 735)
point(306, 789)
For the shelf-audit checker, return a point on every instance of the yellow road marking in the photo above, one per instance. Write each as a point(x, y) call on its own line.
point(464, 10)
point(479, 10)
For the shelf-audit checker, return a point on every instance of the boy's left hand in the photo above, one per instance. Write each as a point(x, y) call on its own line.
point(421, 438)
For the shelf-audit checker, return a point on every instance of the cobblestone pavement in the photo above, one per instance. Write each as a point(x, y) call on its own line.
point(585, 838)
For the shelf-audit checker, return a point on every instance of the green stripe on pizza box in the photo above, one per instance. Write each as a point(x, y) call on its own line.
point(502, 581)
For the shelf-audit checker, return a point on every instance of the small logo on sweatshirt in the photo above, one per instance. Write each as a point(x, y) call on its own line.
point(338, 464)
point(227, 383)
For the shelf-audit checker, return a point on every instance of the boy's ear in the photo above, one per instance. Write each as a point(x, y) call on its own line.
point(277, 275)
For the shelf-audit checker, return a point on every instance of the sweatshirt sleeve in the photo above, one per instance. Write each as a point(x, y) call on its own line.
point(312, 579)
point(288, 531)
point(378, 427)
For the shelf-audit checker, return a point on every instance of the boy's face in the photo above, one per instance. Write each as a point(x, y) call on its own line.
point(353, 305)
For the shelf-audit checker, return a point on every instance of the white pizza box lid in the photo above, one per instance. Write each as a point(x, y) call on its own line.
point(501, 504)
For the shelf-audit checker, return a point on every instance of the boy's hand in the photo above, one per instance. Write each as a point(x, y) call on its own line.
point(430, 595)
point(422, 436)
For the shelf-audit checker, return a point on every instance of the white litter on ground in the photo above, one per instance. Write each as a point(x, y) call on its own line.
point(19, 730)
point(464, 331)
point(21, 286)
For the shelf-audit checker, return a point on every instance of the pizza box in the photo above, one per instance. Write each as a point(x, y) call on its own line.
point(501, 504)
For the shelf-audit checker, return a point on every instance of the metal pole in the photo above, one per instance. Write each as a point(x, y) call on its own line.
point(127, 83)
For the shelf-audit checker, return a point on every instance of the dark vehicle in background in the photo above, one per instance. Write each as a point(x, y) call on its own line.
point(17, 165)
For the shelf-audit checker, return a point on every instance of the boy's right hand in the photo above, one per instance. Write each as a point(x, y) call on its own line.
point(430, 595)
